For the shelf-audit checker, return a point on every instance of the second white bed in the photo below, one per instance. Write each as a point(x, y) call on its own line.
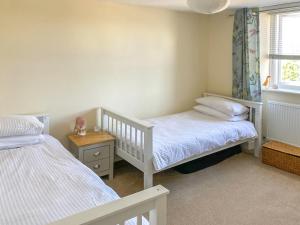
point(44, 183)
point(180, 136)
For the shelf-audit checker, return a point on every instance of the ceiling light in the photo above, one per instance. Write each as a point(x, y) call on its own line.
point(208, 6)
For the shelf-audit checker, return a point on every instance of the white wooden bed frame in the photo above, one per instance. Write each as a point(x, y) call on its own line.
point(151, 202)
point(140, 153)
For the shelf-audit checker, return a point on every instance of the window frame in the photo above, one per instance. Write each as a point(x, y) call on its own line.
point(275, 63)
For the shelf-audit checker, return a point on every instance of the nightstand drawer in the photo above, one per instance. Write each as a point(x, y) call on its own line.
point(99, 166)
point(94, 154)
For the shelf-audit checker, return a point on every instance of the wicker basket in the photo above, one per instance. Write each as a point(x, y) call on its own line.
point(282, 156)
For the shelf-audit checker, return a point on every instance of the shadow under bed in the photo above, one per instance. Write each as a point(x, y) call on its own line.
point(207, 161)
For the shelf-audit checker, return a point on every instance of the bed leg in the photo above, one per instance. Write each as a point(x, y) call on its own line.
point(257, 150)
point(148, 158)
point(248, 147)
point(252, 147)
point(148, 180)
point(157, 215)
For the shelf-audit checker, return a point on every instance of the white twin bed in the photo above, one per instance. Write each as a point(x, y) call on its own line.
point(43, 183)
point(161, 143)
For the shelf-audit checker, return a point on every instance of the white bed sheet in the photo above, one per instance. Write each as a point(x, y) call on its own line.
point(180, 136)
point(43, 183)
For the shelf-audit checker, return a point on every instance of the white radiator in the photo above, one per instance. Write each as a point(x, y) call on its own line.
point(283, 122)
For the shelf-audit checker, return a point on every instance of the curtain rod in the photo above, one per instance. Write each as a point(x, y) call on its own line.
point(289, 7)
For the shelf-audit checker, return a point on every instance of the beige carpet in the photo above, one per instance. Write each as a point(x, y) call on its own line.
point(239, 191)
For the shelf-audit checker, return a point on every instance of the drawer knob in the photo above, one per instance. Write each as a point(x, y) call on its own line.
point(96, 166)
point(96, 154)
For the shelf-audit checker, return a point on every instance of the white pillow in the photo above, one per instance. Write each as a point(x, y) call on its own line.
point(20, 126)
point(214, 113)
point(228, 107)
point(20, 141)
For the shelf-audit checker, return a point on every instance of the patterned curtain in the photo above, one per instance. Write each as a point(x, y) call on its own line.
point(246, 61)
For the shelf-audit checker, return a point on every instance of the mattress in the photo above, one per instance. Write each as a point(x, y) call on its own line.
point(180, 136)
point(43, 183)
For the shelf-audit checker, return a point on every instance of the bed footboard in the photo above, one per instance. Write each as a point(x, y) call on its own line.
point(133, 140)
point(152, 201)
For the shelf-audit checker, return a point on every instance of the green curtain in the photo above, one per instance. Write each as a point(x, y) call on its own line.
point(246, 60)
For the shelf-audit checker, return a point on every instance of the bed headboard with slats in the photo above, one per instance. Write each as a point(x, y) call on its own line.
point(255, 115)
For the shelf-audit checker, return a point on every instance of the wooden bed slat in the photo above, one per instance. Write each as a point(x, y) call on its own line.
point(139, 220)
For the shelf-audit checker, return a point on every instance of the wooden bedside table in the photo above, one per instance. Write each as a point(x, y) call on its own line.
point(95, 150)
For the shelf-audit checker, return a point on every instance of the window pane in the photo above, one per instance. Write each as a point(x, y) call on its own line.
point(289, 43)
point(285, 50)
point(290, 71)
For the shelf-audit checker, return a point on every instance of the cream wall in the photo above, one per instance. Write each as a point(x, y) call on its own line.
point(220, 59)
point(219, 78)
point(67, 57)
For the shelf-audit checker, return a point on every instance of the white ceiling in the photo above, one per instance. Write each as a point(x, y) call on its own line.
point(181, 4)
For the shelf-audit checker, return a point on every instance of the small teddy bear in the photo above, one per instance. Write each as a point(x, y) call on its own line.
point(80, 126)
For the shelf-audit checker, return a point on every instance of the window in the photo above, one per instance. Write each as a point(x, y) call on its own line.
point(285, 50)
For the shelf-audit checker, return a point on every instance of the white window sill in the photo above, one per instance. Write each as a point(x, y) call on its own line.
point(285, 91)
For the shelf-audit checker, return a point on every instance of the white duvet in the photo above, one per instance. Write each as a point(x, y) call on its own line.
point(44, 183)
point(180, 136)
